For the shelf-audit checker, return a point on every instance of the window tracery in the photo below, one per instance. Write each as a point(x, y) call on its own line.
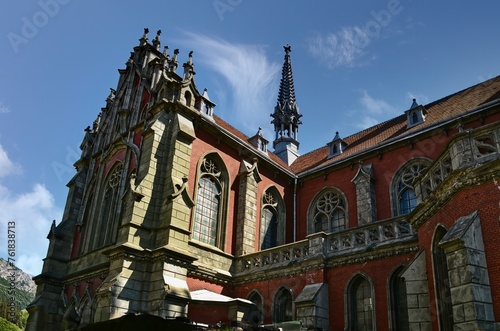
point(329, 212)
point(405, 196)
point(272, 224)
point(108, 224)
point(207, 223)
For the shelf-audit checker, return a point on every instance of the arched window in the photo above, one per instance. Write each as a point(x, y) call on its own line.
point(283, 306)
point(398, 302)
point(187, 97)
point(257, 314)
point(360, 304)
point(272, 225)
point(328, 212)
point(404, 196)
point(268, 228)
point(86, 226)
point(208, 226)
point(442, 282)
point(108, 218)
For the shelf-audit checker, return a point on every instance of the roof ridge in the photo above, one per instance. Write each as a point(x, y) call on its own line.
point(487, 82)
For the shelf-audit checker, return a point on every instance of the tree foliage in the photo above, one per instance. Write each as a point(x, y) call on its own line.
point(5, 325)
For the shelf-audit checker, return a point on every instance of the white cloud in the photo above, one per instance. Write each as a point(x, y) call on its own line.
point(373, 111)
point(342, 48)
point(375, 106)
point(251, 76)
point(32, 212)
point(4, 109)
point(7, 167)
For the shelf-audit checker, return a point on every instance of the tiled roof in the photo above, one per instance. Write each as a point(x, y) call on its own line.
point(228, 127)
point(443, 109)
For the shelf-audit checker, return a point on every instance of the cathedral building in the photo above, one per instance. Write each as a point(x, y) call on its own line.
point(174, 213)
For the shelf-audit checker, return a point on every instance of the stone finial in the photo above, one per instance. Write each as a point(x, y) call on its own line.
point(189, 67)
point(156, 41)
point(144, 39)
point(173, 63)
point(111, 96)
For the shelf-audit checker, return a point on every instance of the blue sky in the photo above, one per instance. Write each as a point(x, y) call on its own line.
point(355, 64)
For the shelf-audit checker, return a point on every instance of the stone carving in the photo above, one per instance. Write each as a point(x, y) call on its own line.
point(182, 190)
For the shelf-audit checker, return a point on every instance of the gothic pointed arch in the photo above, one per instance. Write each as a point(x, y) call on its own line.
point(86, 225)
point(283, 305)
point(272, 224)
point(360, 303)
point(71, 317)
point(257, 314)
point(403, 195)
point(441, 281)
point(109, 209)
point(328, 211)
point(398, 301)
point(86, 311)
point(211, 192)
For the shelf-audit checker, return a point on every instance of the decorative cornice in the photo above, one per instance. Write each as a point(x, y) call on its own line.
point(364, 257)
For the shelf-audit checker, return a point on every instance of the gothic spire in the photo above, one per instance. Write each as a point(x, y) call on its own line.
point(286, 92)
point(286, 116)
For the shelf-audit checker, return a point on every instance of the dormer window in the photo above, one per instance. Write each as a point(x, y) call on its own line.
point(337, 146)
point(205, 105)
point(258, 141)
point(415, 115)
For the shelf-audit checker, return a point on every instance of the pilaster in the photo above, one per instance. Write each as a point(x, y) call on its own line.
point(247, 208)
point(176, 204)
point(365, 195)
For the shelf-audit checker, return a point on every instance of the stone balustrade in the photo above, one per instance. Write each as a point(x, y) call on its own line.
point(369, 236)
point(274, 257)
point(324, 245)
point(466, 148)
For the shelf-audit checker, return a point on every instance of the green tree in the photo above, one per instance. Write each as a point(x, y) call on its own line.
point(22, 318)
point(7, 326)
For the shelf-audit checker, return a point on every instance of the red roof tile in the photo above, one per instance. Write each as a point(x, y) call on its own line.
point(440, 110)
point(443, 109)
point(228, 127)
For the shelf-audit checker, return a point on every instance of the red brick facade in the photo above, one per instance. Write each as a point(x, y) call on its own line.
point(126, 246)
